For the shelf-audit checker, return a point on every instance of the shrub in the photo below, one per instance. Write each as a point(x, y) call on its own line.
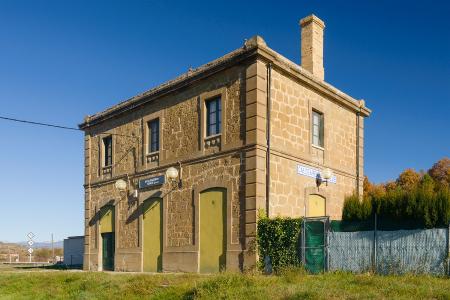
point(422, 204)
point(279, 239)
point(356, 210)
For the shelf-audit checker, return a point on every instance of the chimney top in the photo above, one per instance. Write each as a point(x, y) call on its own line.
point(312, 45)
point(311, 18)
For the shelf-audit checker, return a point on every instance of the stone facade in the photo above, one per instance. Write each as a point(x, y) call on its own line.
point(292, 106)
point(267, 103)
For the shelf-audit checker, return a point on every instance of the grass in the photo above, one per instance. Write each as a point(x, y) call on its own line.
point(290, 284)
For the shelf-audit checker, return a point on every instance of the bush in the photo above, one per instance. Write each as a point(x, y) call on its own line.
point(279, 239)
point(356, 210)
point(422, 205)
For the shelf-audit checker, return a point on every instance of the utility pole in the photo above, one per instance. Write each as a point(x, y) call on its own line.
point(53, 251)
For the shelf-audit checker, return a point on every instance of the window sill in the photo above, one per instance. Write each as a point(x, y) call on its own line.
point(213, 140)
point(107, 170)
point(318, 147)
point(152, 156)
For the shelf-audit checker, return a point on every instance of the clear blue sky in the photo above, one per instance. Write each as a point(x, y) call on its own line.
point(61, 60)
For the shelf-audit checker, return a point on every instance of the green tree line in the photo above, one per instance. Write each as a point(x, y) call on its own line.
point(420, 197)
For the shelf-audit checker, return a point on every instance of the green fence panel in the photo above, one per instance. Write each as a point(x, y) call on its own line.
point(314, 246)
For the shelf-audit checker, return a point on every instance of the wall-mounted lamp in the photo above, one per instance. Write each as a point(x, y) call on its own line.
point(173, 176)
point(324, 176)
point(122, 186)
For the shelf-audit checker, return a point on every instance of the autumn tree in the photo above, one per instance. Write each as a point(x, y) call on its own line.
point(440, 172)
point(408, 180)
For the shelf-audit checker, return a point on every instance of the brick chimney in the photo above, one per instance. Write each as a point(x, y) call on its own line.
point(312, 45)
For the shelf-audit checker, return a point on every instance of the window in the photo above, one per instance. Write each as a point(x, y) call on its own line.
point(153, 136)
point(107, 151)
point(213, 116)
point(317, 129)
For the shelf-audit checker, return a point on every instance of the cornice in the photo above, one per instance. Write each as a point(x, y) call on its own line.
point(254, 47)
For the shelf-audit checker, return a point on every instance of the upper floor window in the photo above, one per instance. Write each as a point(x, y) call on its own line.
point(107, 151)
point(317, 129)
point(153, 135)
point(213, 116)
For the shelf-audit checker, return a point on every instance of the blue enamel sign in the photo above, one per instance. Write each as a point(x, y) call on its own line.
point(152, 181)
point(311, 172)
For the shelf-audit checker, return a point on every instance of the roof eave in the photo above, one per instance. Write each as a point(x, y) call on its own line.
point(256, 49)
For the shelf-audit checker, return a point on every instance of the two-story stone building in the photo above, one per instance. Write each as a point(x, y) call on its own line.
point(249, 131)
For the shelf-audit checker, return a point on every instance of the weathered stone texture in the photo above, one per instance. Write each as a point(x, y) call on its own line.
point(287, 189)
point(292, 106)
point(236, 159)
point(181, 140)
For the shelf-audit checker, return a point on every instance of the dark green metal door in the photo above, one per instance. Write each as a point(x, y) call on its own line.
point(108, 251)
point(314, 246)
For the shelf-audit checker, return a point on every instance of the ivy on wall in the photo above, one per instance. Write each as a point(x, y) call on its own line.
point(279, 239)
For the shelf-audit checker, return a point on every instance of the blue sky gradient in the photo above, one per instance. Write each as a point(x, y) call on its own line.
point(62, 60)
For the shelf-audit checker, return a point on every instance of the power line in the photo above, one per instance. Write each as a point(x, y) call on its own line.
point(39, 123)
point(61, 127)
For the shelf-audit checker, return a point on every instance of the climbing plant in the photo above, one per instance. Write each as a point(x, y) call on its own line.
point(279, 239)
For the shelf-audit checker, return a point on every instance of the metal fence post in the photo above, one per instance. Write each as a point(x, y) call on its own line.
point(303, 243)
point(328, 243)
point(374, 254)
point(448, 249)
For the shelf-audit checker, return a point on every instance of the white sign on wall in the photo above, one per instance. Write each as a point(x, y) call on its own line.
point(311, 172)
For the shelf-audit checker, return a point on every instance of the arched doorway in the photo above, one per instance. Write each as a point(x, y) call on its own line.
point(212, 230)
point(316, 206)
point(152, 231)
point(107, 224)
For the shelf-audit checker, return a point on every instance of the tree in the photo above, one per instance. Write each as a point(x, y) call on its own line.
point(408, 180)
point(440, 172)
point(390, 186)
point(367, 186)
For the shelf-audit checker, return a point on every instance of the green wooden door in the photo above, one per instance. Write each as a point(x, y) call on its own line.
point(108, 251)
point(212, 230)
point(152, 220)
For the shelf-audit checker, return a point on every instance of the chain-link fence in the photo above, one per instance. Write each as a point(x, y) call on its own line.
point(361, 246)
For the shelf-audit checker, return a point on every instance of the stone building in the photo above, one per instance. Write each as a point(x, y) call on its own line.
point(250, 132)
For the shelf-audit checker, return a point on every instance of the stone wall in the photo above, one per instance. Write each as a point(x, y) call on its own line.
point(181, 140)
point(235, 160)
point(292, 106)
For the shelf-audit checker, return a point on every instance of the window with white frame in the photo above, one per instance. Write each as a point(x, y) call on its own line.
point(317, 129)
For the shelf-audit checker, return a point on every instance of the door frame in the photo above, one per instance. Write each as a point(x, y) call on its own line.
point(233, 248)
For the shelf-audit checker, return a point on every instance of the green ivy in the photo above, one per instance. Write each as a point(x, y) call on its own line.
point(279, 239)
